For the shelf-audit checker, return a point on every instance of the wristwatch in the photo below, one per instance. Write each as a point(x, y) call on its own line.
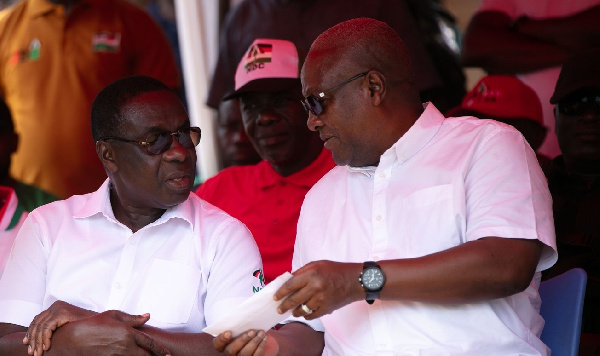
point(372, 280)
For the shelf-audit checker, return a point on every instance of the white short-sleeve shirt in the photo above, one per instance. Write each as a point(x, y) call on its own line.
point(186, 269)
point(444, 183)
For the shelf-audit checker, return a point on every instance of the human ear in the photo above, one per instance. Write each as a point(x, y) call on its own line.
point(377, 87)
point(106, 154)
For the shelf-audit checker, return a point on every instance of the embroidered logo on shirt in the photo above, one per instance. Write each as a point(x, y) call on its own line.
point(258, 274)
point(32, 53)
point(106, 42)
point(257, 56)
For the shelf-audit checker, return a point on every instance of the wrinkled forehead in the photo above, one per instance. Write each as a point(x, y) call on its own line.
point(156, 109)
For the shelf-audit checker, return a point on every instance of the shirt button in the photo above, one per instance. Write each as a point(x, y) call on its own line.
point(381, 175)
point(118, 285)
point(378, 218)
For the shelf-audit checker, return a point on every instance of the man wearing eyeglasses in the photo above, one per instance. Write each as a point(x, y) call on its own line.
point(141, 244)
point(267, 196)
point(430, 235)
point(574, 184)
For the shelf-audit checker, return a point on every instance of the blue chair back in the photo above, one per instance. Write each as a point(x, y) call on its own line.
point(562, 308)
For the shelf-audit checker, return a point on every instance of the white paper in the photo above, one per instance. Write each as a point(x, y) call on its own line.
point(258, 312)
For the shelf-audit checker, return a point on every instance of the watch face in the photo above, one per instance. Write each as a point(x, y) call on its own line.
point(372, 278)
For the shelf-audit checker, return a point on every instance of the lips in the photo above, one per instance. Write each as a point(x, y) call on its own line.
point(273, 139)
point(179, 181)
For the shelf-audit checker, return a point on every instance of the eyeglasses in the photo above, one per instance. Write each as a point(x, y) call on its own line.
point(314, 104)
point(579, 105)
point(161, 142)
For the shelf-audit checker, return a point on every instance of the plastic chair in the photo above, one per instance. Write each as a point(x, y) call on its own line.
point(562, 308)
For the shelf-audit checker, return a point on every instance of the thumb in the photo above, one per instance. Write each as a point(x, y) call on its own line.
point(134, 321)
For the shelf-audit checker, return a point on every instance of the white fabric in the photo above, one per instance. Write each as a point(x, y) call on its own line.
point(186, 269)
point(7, 236)
point(542, 81)
point(445, 182)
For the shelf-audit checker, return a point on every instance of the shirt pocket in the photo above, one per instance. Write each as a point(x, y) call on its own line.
point(169, 292)
point(429, 221)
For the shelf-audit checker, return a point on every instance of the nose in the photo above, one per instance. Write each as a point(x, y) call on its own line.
point(176, 151)
point(267, 117)
point(240, 137)
point(313, 122)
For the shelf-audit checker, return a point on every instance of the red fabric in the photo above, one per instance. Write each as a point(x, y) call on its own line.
point(268, 203)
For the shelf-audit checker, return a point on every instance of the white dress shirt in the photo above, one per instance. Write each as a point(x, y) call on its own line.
point(187, 268)
point(444, 183)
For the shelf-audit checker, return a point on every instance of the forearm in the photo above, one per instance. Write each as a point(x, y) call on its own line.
point(479, 270)
point(298, 339)
point(183, 344)
point(581, 24)
point(492, 44)
point(11, 341)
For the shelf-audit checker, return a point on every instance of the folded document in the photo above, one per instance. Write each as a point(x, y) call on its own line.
point(258, 312)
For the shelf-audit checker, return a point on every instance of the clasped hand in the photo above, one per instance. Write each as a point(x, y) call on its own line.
point(111, 332)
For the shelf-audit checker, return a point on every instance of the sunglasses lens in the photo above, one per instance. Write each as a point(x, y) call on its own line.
point(578, 106)
point(161, 143)
point(314, 105)
point(188, 138)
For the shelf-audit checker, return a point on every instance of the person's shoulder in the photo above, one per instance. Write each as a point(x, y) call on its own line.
point(211, 217)
point(330, 180)
point(479, 124)
point(206, 210)
point(56, 210)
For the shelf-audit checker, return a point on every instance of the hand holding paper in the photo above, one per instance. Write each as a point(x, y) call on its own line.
point(258, 312)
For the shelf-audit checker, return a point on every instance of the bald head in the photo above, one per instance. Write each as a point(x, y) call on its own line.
point(368, 43)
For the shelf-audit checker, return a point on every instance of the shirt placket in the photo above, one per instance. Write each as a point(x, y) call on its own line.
point(381, 331)
point(122, 277)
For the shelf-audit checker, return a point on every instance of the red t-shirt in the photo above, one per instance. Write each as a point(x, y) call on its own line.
point(268, 203)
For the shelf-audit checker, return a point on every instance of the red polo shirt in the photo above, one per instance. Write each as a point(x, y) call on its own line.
point(268, 203)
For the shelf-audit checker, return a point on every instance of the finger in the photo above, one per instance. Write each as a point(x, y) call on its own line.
point(244, 344)
point(148, 343)
point(134, 321)
point(34, 337)
point(222, 340)
point(288, 288)
point(262, 347)
point(251, 347)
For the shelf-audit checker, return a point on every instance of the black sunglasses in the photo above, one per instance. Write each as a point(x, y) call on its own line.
point(314, 103)
point(579, 105)
point(161, 142)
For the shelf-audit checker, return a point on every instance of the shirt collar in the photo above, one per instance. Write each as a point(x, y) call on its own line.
point(99, 203)
point(420, 135)
point(306, 177)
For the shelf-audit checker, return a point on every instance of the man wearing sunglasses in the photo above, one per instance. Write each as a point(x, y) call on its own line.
point(141, 244)
point(574, 182)
point(430, 235)
point(267, 196)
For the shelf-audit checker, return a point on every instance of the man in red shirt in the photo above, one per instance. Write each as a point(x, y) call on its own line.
point(267, 196)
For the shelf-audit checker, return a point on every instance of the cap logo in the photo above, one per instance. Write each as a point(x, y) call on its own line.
point(258, 55)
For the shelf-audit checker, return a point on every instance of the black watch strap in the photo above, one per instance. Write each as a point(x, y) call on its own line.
point(370, 295)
